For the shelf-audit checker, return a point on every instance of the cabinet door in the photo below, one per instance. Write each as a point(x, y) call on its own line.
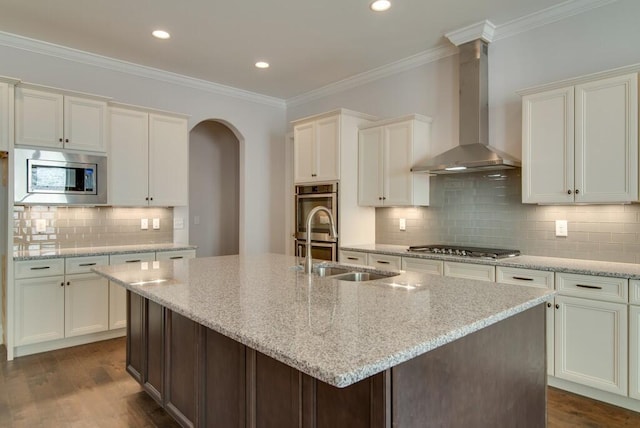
point(117, 306)
point(135, 335)
point(4, 116)
point(591, 343)
point(39, 309)
point(327, 149)
point(550, 336)
point(607, 140)
point(548, 147)
point(303, 159)
point(168, 161)
point(85, 124)
point(398, 158)
point(128, 157)
point(86, 304)
point(370, 167)
point(634, 352)
point(39, 118)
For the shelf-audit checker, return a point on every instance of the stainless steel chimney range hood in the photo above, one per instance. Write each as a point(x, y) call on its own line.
point(473, 152)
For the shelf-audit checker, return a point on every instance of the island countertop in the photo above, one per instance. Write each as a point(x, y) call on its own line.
point(337, 331)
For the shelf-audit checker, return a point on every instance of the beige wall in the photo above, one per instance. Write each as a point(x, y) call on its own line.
point(78, 227)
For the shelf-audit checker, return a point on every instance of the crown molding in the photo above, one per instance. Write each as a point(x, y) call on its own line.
point(87, 58)
point(480, 30)
point(548, 16)
point(408, 63)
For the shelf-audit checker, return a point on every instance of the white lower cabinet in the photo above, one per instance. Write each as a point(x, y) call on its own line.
point(353, 257)
point(117, 293)
point(39, 309)
point(435, 267)
point(470, 271)
point(591, 343)
point(384, 261)
point(86, 303)
point(634, 339)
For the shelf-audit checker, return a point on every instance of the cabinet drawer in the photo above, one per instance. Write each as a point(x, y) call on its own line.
point(634, 291)
point(435, 267)
point(84, 264)
point(38, 268)
point(383, 261)
point(470, 271)
point(519, 276)
point(175, 255)
point(353, 257)
point(117, 259)
point(592, 287)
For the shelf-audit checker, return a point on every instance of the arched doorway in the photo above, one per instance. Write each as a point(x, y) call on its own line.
point(214, 189)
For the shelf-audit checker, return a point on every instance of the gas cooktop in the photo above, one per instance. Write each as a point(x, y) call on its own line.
point(455, 250)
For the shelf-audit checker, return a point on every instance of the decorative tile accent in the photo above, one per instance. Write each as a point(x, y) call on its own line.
point(485, 209)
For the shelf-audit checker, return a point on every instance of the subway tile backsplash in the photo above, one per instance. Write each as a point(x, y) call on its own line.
point(485, 209)
point(78, 227)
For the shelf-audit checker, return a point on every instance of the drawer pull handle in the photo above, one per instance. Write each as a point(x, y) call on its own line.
point(133, 261)
point(87, 264)
point(352, 258)
point(522, 278)
point(382, 262)
point(591, 287)
point(40, 267)
point(176, 257)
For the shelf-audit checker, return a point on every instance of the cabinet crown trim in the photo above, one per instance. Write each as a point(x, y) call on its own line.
point(337, 112)
point(383, 122)
point(621, 71)
point(144, 109)
point(60, 91)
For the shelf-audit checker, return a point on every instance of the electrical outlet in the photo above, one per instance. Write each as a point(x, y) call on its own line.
point(562, 228)
point(144, 223)
point(41, 225)
point(156, 223)
point(403, 224)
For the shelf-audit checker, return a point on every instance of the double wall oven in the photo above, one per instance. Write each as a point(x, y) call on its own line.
point(309, 196)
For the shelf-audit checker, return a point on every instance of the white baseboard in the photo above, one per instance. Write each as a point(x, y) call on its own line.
point(36, 348)
point(596, 394)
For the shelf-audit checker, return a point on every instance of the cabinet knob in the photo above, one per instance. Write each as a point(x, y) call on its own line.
point(314, 175)
point(151, 199)
point(577, 191)
point(62, 284)
point(569, 192)
point(60, 139)
point(66, 140)
point(384, 198)
point(146, 199)
point(379, 198)
point(68, 282)
point(557, 306)
point(548, 305)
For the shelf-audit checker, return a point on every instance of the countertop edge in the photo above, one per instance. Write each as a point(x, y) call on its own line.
point(106, 250)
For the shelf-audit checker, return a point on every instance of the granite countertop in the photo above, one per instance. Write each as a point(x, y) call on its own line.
point(555, 264)
point(337, 331)
point(53, 253)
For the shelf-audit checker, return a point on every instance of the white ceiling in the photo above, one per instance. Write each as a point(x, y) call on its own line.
point(309, 44)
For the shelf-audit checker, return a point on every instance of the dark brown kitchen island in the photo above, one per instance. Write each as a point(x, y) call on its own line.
point(249, 341)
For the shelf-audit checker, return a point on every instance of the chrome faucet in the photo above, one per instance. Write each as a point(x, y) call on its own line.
point(308, 262)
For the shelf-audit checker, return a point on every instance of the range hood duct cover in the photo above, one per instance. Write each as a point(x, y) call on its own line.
point(473, 152)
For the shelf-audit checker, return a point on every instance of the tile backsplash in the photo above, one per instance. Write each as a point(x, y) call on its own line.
point(77, 227)
point(485, 209)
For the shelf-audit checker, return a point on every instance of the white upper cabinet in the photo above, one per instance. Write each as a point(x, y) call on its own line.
point(6, 112)
point(317, 150)
point(386, 153)
point(53, 119)
point(580, 143)
point(148, 158)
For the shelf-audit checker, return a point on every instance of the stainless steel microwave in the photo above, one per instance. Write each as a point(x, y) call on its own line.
point(60, 178)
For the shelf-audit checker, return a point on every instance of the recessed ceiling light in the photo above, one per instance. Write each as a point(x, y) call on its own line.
point(262, 64)
point(161, 34)
point(380, 5)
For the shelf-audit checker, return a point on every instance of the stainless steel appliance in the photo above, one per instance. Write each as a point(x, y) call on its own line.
point(56, 177)
point(464, 251)
point(308, 197)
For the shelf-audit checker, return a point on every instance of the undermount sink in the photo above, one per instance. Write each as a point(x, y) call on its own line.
point(331, 270)
point(363, 276)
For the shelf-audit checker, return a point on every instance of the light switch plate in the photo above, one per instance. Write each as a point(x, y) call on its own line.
point(178, 223)
point(562, 228)
point(403, 224)
point(144, 223)
point(156, 223)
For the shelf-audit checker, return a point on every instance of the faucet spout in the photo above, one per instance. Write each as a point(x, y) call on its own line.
point(308, 261)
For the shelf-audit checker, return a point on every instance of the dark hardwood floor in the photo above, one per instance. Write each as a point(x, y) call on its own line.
point(87, 386)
